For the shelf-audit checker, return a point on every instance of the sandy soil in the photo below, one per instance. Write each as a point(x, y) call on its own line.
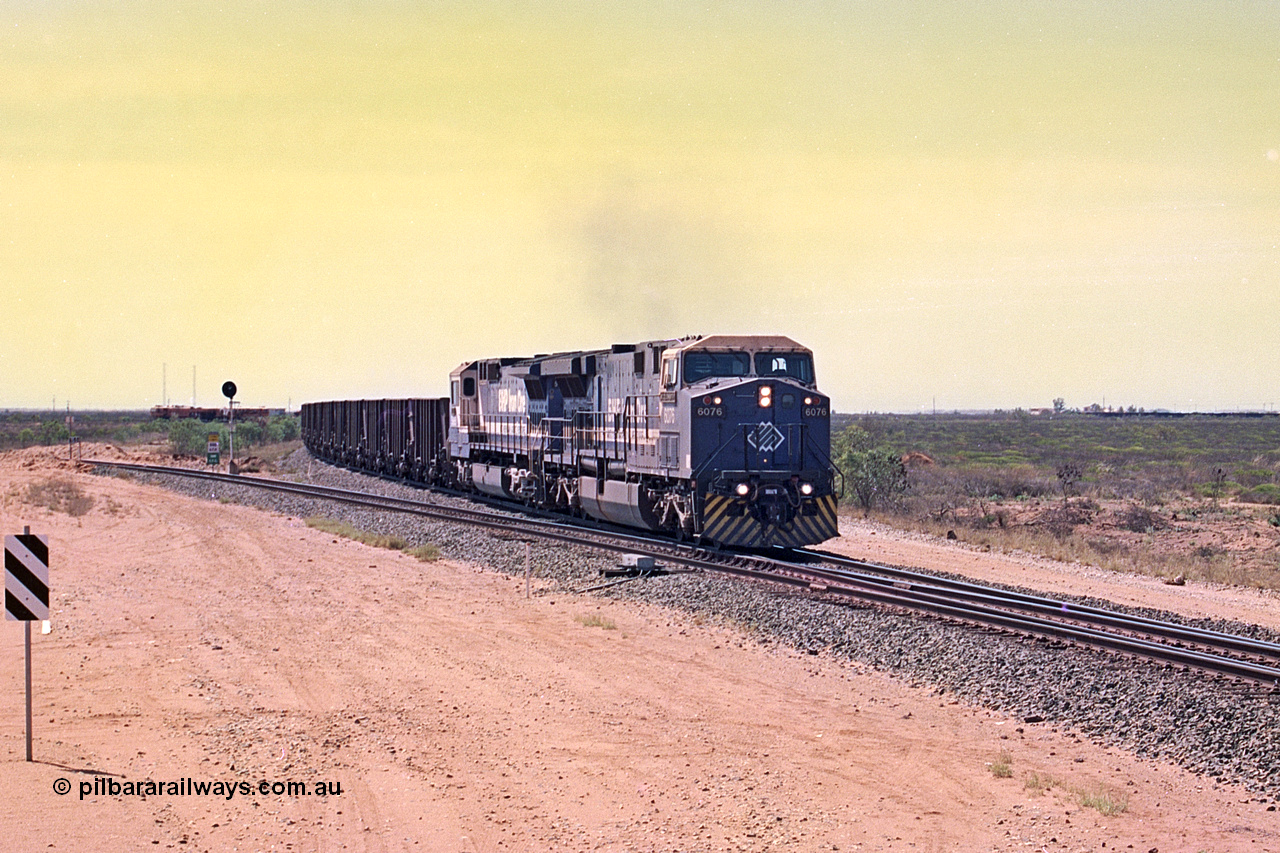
point(217, 643)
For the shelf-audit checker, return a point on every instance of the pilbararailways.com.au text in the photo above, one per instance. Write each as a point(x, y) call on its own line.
point(102, 786)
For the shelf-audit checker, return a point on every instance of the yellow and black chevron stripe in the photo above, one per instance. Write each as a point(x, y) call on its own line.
point(724, 520)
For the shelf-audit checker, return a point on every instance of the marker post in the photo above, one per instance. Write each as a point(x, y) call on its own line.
point(26, 595)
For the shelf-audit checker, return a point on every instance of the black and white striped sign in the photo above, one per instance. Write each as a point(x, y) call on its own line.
point(26, 578)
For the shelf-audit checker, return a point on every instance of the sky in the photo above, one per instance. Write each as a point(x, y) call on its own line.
point(955, 205)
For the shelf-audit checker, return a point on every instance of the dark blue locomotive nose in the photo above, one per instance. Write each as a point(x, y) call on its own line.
point(765, 466)
point(757, 425)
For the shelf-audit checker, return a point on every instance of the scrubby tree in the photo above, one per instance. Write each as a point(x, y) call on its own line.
point(249, 433)
point(873, 473)
point(187, 437)
point(282, 428)
point(53, 432)
point(1069, 475)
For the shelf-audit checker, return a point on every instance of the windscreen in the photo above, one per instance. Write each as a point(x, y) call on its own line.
point(701, 365)
point(796, 365)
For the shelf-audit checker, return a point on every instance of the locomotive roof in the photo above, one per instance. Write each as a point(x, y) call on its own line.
point(759, 343)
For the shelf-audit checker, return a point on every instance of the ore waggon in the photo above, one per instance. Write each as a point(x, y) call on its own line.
point(723, 439)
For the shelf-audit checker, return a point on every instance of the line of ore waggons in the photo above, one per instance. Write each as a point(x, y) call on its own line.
point(720, 439)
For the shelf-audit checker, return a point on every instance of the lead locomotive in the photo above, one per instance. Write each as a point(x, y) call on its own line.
point(725, 438)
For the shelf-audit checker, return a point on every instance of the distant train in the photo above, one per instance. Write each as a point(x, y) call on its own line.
point(724, 439)
point(207, 413)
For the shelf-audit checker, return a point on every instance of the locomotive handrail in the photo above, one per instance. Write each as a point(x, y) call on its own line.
point(834, 467)
point(631, 420)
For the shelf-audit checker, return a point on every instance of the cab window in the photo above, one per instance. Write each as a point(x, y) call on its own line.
point(670, 372)
point(703, 365)
point(795, 365)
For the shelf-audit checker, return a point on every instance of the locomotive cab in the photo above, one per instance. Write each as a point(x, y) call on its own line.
point(758, 440)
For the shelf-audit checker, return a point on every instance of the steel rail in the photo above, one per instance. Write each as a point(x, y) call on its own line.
point(980, 593)
point(909, 591)
point(556, 530)
point(916, 598)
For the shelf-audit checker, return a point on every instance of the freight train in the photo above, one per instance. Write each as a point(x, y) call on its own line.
point(721, 439)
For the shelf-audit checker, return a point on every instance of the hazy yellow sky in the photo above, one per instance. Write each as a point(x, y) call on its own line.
point(977, 204)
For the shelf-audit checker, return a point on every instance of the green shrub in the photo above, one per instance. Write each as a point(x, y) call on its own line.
point(872, 474)
point(425, 553)
point(249, 433)
point(283, 428)
point(1267, 493)
point(53, 432)
point(189, 437)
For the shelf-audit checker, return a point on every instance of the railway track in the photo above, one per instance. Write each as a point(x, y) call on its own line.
point(839, 578)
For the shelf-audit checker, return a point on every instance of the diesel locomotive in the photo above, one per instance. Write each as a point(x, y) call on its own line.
point(724, 439)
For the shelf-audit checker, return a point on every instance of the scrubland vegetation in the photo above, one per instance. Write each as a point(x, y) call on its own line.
point(27, 429)
point(1195, 496)
point(182, 437)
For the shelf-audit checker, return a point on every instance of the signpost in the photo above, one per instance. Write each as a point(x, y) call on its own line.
point(212, 456)
point(26, 592)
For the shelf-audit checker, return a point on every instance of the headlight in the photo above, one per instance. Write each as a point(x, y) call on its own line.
point(765, 398)
point(806, 488)
point(743, 490)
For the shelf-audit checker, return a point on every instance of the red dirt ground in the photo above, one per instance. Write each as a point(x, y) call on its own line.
point(194, 639)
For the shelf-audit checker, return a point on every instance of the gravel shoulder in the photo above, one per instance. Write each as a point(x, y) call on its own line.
point(199, 639)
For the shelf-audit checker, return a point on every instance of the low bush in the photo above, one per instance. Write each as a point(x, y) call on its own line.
point(1267, 493)
point(426, 553)
point(60, 495)
point(348, 531)
point(1107, 801)
point(1141, 519)
point(595, 620)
